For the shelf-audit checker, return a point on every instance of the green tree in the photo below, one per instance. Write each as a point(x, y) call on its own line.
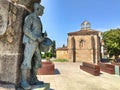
point(112, 42)
point(53, 48)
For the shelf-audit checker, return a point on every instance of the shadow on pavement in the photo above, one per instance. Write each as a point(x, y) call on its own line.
point(51, 89)
point(56, 71)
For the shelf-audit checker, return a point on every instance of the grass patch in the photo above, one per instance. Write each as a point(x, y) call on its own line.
point(60, 60)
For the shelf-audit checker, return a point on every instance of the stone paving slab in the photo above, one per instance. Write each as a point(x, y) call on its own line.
point(71, 77)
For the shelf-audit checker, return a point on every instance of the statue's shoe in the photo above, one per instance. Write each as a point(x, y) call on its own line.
point(25, 85)
point(37, 82)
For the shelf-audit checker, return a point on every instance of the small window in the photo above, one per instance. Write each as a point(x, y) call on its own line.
point(82, 43)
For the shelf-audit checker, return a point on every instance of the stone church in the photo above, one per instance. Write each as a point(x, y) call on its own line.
point(82, 45)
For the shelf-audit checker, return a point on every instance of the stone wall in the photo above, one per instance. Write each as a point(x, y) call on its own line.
point(12, 15)
point(11, 48)
point(62, 54)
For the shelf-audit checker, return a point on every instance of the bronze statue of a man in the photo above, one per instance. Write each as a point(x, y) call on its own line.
point(33, 36)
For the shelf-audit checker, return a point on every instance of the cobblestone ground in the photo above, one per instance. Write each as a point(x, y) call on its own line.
point(69, 77)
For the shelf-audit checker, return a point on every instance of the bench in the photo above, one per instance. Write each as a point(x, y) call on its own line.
point(108, 68)
point(90, 68)
point(115, 63)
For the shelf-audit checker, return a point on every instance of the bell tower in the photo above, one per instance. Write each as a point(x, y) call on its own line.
point(85, 25)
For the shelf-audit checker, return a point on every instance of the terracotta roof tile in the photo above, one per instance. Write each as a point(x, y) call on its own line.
point(84, 32)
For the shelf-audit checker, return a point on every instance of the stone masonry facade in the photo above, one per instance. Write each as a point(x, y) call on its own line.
point(82, 45)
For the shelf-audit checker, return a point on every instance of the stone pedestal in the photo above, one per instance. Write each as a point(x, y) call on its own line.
point(7, 87)
point(45, 86)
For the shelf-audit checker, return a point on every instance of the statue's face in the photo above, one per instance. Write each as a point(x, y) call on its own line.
point(39, 11)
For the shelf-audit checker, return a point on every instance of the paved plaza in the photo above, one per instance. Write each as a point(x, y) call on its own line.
point(68, 76)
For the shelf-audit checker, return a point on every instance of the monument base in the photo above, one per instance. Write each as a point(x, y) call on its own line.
point(7, 87)
point(45, 86)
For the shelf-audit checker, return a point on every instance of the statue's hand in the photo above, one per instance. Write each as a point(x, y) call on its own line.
point(40, 39)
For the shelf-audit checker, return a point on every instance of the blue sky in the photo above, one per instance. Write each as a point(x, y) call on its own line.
point(63, 16)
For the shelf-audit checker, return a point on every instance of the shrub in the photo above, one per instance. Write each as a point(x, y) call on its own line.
point(43, 56)
point(47, 54)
